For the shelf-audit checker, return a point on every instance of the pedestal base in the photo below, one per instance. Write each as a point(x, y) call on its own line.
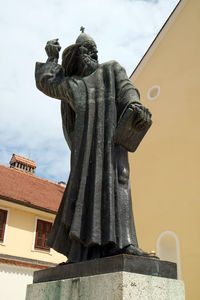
point(111, 264)
point(110, 286)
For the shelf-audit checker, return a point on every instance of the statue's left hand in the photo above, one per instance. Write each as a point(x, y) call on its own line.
point(145, 115)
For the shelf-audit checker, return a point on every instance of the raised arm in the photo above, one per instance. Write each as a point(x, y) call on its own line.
point(49, 76)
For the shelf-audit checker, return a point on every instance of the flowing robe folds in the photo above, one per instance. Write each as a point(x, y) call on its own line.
point(95, 213)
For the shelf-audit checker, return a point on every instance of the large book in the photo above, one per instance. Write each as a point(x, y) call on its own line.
point(132, 127)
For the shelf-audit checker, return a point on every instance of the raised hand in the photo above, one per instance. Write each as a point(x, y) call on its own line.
point(52, 48)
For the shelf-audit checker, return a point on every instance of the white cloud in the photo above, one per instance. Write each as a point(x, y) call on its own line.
point(30, 121)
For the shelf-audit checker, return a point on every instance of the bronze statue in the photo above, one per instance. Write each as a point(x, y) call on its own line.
point(102, 118)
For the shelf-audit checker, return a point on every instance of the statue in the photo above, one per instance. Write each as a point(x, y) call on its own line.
point(102, 118)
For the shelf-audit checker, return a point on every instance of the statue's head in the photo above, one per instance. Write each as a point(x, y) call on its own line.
point(81, 58)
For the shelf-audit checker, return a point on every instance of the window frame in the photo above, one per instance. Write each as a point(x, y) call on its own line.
point(5, 224)
point(36, 247)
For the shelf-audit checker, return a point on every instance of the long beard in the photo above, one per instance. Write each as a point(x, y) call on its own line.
point(88, 64)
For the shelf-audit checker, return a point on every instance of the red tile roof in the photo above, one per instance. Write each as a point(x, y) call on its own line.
point(23, 160)
point(29, 190)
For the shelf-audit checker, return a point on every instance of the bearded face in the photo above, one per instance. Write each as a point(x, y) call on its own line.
point(87, 58)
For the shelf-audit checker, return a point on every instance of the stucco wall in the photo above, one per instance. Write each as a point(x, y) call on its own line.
point(14, 281)
point(20, 233)
point(165, 169)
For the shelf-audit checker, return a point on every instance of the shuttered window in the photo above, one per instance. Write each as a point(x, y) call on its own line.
point(43, 229)
point(3, 218)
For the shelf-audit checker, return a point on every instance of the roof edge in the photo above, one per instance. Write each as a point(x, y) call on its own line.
point(28, 204)
point(164, 29)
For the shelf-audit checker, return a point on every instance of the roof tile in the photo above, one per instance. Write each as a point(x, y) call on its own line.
point(27, 189)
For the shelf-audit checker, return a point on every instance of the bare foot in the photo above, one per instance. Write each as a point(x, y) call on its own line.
point(134, 251)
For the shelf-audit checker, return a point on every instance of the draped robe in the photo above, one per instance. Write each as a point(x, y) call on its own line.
point(95, 213)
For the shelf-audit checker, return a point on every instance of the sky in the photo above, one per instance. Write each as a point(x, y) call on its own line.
point(30, 122)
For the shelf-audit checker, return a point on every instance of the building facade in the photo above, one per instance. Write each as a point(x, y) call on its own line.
point(165, 168)
point(28, 205)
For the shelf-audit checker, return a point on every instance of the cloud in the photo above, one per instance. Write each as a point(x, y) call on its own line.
point(30, 121)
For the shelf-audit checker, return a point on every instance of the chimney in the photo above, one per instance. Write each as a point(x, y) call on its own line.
point(62, 183)
point(24, 164)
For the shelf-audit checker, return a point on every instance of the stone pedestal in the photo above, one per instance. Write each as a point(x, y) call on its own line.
point(121, 277)
point(111, 286)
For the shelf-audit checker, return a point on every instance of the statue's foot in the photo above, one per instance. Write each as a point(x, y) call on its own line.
point(132, 250)
point(111, 251)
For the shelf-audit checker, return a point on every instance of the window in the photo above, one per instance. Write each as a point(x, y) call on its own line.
point(43, 229)
point(3, 218)
point(168, 249)
point(153, 92)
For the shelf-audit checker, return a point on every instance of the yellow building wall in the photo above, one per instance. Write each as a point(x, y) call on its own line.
point(165, 170)
point(20, 233)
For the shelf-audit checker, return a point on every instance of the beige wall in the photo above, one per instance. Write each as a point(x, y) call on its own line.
point(166, 167)
point(19, 239)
